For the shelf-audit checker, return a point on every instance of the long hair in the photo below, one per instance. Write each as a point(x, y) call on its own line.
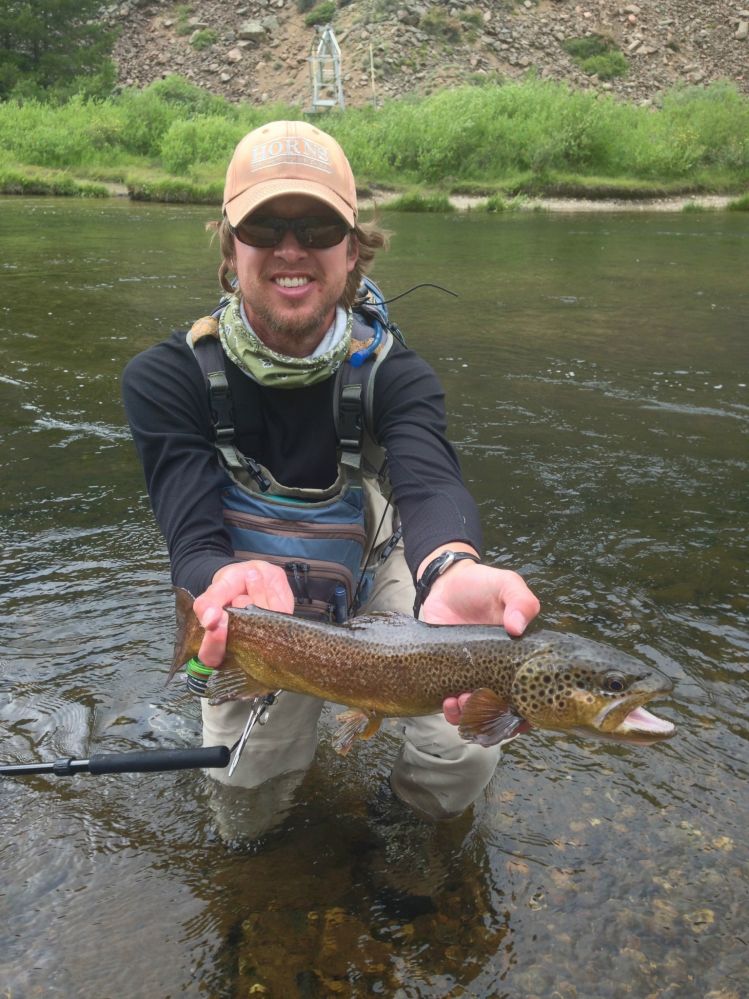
point(368, 235)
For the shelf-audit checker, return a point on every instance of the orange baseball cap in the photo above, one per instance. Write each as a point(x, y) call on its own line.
point(288, 157)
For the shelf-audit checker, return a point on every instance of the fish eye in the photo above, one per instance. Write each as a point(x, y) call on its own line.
point(614, 683)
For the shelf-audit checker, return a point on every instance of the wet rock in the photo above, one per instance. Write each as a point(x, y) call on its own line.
point(700, 920)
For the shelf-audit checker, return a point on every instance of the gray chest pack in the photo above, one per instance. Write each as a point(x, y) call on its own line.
point(324, 539)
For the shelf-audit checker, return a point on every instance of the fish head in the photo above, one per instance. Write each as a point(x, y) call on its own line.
point(571, 684)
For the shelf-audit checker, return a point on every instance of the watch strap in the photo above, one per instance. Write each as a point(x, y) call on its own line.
point(436, 568)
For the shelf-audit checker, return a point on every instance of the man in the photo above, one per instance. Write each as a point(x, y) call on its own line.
point(291, 238)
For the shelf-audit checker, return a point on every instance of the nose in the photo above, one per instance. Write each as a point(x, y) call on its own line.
point(290, 249)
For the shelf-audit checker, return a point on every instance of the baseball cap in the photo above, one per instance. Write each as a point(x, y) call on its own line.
point(288, 157)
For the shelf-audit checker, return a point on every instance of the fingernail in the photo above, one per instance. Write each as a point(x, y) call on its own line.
point(515, 622)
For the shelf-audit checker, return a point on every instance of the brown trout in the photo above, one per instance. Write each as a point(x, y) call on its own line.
point(389, 665)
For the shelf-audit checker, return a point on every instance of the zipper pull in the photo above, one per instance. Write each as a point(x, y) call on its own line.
point(300, 580)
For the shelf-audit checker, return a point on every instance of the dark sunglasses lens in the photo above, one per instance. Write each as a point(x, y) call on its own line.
point(261, 233)
point(317, 234)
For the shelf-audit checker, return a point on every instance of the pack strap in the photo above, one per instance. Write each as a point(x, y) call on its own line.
point(353, 396)
point(203, 341)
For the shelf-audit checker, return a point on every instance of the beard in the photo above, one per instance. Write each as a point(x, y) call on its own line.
point(296, 328)
point(291, 331)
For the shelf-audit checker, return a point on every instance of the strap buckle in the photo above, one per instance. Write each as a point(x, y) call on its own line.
point(436, 568)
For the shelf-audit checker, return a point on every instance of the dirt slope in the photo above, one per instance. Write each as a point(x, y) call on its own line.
point(259, 49)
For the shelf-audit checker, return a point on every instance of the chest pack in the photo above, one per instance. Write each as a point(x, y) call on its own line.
point(323, 538)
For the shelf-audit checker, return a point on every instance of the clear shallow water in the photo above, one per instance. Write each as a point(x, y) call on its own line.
point(596, 369)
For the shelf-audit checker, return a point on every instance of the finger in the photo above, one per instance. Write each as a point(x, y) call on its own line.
point(270, 585)
point(280, 594)
point(451, 710)
point(216, 597)
point(520, 607)
point(210, 618)
point(243, 601)
point(213, 647)
point(256, 589)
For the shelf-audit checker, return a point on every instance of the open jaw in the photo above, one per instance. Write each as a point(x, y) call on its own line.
point(640, 722)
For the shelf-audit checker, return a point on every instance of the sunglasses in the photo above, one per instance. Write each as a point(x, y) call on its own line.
point(312, 233)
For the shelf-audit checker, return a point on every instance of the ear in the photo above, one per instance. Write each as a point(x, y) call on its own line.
point(352, 251)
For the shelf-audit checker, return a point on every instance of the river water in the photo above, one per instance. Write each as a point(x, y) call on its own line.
point(596, 370)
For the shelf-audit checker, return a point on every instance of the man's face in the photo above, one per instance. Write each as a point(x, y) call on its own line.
point(290, 292)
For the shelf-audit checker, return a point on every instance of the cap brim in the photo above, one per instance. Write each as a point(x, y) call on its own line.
point(246, 202)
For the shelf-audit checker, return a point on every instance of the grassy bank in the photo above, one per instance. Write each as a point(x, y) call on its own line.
point(171, 142)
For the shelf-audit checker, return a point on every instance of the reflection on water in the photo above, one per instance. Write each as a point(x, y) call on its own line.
point(597, 379)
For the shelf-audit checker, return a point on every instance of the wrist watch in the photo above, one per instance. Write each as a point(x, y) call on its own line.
point(437, 567)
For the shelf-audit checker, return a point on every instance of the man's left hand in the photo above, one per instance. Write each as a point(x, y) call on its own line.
point(479, 594)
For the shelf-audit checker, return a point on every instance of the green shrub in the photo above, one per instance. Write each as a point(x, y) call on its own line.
point(182, 13)
point(739, 205)
point(606, 66)
point(78, 132)
point(694, 207)
point(145, 119)
point(414, 202)
point(441, 25)
point(199, 140)
point(190, 99)
point(472, 19)
point(597, 55)
point(496, 203)
point(714, 119)
point(204, 39)
point(322, 14)
point(587, 46)
point(177, 191)
point(14, 180)
point(520, 135)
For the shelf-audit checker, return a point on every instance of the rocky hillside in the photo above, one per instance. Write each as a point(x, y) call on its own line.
point(258, 50)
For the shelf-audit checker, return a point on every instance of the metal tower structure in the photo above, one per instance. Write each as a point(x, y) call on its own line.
point(325, 66)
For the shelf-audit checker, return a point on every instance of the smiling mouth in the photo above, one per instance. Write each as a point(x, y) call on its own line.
point(292, 282)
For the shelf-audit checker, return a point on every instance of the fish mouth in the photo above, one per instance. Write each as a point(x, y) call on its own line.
point(635, 724)
point(639, 724)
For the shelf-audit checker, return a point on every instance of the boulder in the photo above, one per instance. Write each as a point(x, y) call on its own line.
point(252, 31)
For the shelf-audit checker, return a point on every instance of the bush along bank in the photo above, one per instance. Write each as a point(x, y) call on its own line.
point(172, 141)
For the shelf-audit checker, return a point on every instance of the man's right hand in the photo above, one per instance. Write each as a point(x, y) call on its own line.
point(238, 585)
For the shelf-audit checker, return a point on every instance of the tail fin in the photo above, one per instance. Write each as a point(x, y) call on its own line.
point(189, 633)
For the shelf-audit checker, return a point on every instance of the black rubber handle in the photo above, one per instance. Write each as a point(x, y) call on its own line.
point(147, 761)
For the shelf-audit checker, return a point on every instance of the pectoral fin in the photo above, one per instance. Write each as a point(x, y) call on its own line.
point(488, 720)
point(355, 724)
point(233, 684)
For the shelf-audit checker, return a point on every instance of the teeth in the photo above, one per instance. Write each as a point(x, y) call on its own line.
point(292, 282)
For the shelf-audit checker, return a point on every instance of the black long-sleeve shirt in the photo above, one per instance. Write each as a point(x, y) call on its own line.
point(292, 433)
